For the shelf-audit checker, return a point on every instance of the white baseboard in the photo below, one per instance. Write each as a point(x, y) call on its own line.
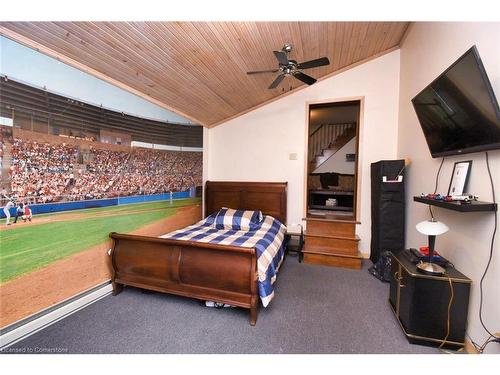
point(35, 325)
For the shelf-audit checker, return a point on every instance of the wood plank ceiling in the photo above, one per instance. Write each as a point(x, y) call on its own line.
point(198, 69)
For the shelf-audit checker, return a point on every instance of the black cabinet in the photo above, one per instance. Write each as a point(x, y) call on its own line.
point(420, 303)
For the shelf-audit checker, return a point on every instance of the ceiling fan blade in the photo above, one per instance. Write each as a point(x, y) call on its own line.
point(263, 71)
point(281, 56)
point(277, 81)
point(314, 63)
point(304, 78)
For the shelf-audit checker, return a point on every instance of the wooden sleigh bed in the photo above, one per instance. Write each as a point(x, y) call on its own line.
point(220, 273)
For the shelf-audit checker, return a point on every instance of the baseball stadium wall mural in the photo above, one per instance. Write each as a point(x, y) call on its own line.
point(71, 173)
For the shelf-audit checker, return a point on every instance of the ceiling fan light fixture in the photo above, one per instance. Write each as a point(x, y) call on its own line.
point(288, 67)
point(287, 47)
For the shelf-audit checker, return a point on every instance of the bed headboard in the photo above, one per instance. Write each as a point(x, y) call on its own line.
point(269, 197)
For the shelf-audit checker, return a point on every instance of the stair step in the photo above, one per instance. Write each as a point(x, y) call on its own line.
point(331, 245)
point(322, 227)
point(334, 236)
point(328, 152)
point(354, 256)
point(320, 160)
point(335, 260)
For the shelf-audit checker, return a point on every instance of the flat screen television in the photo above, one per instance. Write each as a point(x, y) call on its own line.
point(458, 111)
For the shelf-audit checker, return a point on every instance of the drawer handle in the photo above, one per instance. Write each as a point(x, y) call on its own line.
point(398, 279)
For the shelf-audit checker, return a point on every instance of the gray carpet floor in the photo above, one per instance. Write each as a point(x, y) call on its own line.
point(316, 309)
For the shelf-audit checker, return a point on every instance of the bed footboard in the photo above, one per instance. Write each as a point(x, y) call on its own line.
point(221, 273)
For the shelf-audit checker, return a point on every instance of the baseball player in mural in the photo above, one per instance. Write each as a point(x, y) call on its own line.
point(6, 209)
point(28, 215)
point(19, 212)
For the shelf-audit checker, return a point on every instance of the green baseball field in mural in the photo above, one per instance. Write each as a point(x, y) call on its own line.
point(26, 247)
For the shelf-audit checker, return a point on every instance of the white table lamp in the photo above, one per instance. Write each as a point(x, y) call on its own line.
point(432, 228)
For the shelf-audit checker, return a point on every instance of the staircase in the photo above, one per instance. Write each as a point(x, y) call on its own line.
point(325, 141)
point(332, 243)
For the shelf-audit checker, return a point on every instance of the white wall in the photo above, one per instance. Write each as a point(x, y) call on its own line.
point(427, 51)
point(256, 146)
point(337, 162)
point(206, 152)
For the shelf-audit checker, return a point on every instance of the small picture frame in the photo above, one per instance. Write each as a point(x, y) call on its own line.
point(460, 177)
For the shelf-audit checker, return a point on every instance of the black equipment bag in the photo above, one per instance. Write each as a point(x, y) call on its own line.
point(382, 268)
point(388, 208)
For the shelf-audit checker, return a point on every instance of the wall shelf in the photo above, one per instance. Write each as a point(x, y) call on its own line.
point(318, 198)
point(330, 208)
point(474, 206)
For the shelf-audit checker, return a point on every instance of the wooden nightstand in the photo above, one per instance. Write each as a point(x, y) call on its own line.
point(295, 240)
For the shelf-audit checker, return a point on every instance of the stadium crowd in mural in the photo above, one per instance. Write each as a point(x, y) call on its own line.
point(5, 137)
point(44, 172)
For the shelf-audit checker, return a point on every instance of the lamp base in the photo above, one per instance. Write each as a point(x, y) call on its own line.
point(430, 268)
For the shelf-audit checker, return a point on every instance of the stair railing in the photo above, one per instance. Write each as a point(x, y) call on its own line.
point(321, 138)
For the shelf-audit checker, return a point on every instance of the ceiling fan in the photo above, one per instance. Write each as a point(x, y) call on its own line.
point(288, 67)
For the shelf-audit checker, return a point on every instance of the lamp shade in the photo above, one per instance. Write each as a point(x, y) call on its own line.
point(432, 227)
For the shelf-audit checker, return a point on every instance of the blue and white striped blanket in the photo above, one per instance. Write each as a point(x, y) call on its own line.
point(267, 238)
